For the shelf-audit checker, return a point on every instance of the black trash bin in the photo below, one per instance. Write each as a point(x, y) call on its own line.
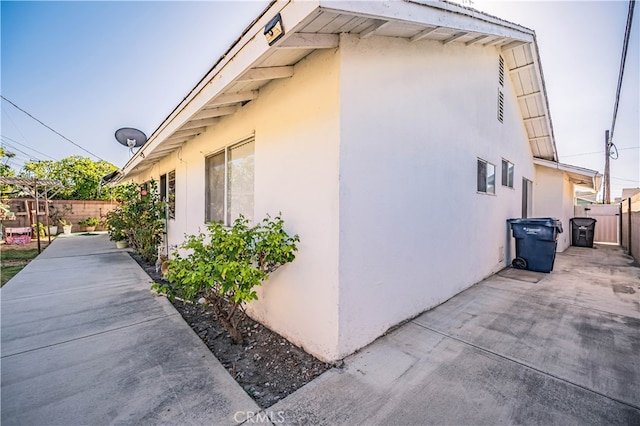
point(582, 230)
point(536, 241)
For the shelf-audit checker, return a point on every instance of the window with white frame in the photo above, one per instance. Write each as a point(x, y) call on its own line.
point(229, 183)
point(168, 192)
point(507, 173)
point(486, 177)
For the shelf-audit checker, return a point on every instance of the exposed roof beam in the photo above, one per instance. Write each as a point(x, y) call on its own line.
point(539, 138)
point(232, 98)
point(268, 73)
point(476, 40)
point(199, 123)
point(496, 41)
point(378, 25)
point(189, 132)
point(513, 45)
point(310, 41)
point(523, 67)
point(534, 118)
point(529, 95)
point(454, 37)
point(424, 33)
point(215, 112)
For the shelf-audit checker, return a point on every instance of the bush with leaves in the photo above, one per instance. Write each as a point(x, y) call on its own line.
point(225, 266)
point(138, 219)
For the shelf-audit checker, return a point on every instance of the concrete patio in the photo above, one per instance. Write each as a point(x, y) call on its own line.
point(84, 342)
point(518, 348)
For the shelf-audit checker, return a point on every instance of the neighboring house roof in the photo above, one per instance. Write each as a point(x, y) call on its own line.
point(585, 178)
point(629, 192)
point(251, 62)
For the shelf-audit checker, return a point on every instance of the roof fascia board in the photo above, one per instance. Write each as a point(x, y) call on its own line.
point(430, 14)
point(566, 167)
point(535, 54)
point(593, 175)
point(247, 51)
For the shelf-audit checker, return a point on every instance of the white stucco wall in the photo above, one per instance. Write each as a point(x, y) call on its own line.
point(554, 195)
point(296, 127)
point(413, 229)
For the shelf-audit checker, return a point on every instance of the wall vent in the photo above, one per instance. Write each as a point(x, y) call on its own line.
point(500, 106)
point(501, 71)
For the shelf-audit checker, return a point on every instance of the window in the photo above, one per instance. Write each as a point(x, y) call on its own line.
point(168, 192)
point(507, 173)
point(486, 177)
point(229, 183)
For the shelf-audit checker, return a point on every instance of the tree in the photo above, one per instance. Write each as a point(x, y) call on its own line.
point(80, 176)
point(5, 169)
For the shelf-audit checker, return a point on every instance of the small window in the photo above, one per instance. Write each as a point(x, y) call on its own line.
point(229, 183)
point(168, 192)
point(486, 177)
point(507, 173)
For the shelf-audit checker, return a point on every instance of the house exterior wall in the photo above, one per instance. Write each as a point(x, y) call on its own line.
point(413, 230)
point(554, 195)
point(296, 127)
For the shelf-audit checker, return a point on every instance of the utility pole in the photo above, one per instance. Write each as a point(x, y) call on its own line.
point(606, 193)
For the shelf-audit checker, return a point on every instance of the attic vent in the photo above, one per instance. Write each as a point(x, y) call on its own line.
point(501, 71)
point(500, 105)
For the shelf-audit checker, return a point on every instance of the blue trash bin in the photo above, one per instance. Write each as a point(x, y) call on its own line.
point(536, 241)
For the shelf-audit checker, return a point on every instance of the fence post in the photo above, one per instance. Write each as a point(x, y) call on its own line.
point(629, 222)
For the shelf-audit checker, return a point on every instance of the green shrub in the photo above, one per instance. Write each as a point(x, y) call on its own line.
point(138, 219)
point(225, 266)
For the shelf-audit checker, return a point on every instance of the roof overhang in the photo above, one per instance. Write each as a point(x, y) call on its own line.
point(309, 25)
point(584, 178)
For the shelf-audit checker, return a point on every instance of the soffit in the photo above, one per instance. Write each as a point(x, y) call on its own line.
point(250, 64)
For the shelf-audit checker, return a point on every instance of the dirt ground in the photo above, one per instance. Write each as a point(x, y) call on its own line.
point(266, 365)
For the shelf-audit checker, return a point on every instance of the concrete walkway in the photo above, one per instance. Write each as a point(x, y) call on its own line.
point(84, 343)
point(518, 348)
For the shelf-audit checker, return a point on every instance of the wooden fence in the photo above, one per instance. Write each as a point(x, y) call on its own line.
point(631, 226)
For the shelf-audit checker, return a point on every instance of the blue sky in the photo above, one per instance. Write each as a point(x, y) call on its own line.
point(89, 68)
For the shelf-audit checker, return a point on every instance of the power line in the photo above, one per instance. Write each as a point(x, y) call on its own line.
point(627, 36)
point(14, 148)
point(599, 152)
point(26, 146)
point(54, 131)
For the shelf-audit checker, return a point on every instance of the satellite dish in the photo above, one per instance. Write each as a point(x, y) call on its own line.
point(132, 138)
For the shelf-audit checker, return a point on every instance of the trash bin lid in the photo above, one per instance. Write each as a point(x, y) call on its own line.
point(550, 222)
point(583, 221)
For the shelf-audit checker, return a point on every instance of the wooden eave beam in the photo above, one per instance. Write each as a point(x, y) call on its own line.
point(215, 112)
point(310, 41)
point(424, 33)
point(513, 45)
point(534, 118)
point(523, 68)
point(232, 98)
point(193, 124)
point(267, 73)
point(454, 37)
point(378, 25)
point(496, 41)
point(476, 40)
point(528, 95)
